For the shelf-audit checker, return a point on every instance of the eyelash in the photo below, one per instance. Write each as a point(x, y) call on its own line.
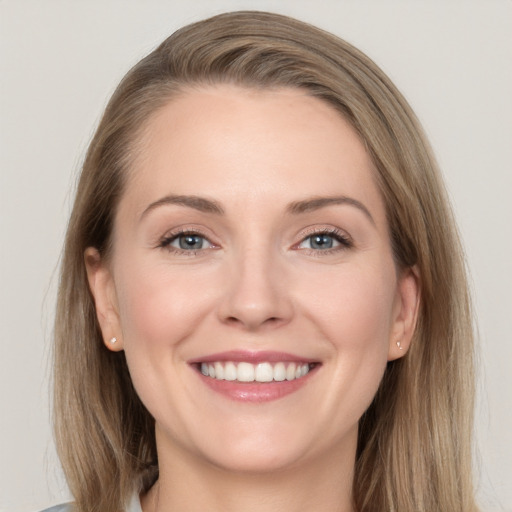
point(166, 242)
point(339, 236)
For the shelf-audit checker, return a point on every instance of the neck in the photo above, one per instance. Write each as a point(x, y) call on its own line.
point(324, 483)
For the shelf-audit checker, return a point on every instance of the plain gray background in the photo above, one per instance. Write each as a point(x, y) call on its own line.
point(60, 60)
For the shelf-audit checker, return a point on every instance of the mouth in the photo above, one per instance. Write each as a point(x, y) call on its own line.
point(261, 372)
point(254, 376)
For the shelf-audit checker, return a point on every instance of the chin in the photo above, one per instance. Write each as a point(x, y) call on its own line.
point(262, 449)
point(256, 461)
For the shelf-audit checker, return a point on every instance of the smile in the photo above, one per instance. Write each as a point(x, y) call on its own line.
point(255, 376)
point(249, 372)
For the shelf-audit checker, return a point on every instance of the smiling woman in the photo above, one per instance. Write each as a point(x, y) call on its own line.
point(263, 302)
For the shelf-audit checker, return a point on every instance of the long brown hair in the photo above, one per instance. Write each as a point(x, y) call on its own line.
point(414, 451)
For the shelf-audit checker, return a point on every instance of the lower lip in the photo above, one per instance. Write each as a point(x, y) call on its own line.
point(256, 391)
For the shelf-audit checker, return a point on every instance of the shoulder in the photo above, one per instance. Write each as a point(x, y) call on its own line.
point(66, 507)
point(134, 506)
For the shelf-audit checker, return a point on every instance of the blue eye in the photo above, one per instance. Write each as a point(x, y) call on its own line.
point(324, 241)
point(186, 242)
point(321, 241)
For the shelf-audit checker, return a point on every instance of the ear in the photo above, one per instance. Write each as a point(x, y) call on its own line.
point(101, 284)
point(405, 312)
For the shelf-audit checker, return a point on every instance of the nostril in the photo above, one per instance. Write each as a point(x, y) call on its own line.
point(254, 307)
point(271, 321)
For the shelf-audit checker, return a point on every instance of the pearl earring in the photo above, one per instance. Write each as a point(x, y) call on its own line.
point(113, 340)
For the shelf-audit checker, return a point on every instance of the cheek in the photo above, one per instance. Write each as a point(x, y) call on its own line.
point(353, 305)
point(158, 307)
point(159, 310)
point(353, 308)
point(357, 321)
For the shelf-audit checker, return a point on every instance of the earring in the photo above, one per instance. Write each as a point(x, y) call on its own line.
point(113, 340)
point(399, 345)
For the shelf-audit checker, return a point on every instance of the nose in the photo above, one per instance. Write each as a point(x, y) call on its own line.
point(256, 293)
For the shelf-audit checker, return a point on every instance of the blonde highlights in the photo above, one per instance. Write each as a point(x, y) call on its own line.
point(414, 450)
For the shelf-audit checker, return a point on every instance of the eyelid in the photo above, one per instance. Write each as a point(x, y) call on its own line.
point(165, 241)
point(344, 240)
point(341, 236)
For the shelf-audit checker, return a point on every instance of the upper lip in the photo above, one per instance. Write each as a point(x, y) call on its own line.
point(249, 356)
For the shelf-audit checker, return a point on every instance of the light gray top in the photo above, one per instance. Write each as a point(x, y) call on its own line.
point(133, 506)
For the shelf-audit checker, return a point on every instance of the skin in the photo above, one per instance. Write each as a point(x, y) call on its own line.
point(256, 284)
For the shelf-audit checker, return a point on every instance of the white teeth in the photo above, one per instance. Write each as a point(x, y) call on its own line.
point(290, 372)
point(230, 371)
point(279, 372)
point(248, 372)
point(219, 371)
point(245, 372)
point(264, 373)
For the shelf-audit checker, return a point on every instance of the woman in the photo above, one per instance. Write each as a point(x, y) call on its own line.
point(263, 301)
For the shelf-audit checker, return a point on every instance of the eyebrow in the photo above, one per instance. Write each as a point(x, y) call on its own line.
point(296, 208)
point(315, 203)
point(197, 203)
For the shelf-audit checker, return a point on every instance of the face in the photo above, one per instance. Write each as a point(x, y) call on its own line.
point(251, 283)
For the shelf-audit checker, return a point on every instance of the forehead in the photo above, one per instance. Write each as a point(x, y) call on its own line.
point(240, 145)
